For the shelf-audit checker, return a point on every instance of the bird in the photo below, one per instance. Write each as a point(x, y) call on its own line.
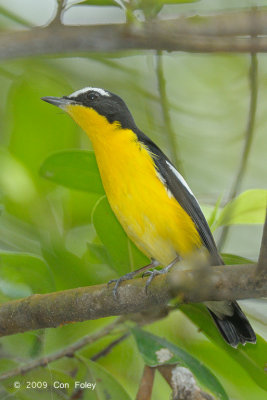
point(150, 198)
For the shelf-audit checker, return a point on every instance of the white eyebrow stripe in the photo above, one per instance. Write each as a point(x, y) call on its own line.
point(180, 177)
point(86, 89)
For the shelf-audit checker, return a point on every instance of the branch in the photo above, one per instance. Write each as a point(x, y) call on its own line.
point(85, 303)
point(146, 384)
point(109, 348)
point(59, 12)
point(68, 351)
point(183, 383)
point(71, 350)
point(229, 32)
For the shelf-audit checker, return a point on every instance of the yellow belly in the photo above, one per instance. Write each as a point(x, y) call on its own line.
point(150, 215)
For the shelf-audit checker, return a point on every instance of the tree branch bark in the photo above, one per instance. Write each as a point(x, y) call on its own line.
point(85, 303)
point(183, 383)
point(229, 32)
point(146, 384)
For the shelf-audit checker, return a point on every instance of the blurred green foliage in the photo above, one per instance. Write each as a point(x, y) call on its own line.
point(57, 230)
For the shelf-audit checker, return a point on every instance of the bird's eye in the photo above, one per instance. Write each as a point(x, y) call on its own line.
point(92, 95)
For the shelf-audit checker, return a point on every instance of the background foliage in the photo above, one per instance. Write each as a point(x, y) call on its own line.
point(56, 228)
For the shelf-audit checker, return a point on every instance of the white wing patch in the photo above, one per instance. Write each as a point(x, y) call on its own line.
point(87, 89)
point(161, 178)
point(180, 177)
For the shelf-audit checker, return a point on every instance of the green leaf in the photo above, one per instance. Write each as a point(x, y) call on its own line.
point(215, 210)
point(7, 364)
point(100, 252)
point(107, 386)
point(98, 3)
point(68, 270)
point(21, 188)
point(74, 169)
point(125, 256)
point(251, 357)
point(248, 208)
point(152, 348)
point(220, 363)
point(162, 2)
point(14, 17)
point(151, 8)
point(231, 259)
point(17, 236)
point(24, 274)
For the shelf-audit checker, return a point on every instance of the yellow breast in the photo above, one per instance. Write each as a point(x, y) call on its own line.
point(150, 215)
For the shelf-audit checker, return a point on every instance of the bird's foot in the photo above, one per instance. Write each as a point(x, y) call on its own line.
point(129, 276)
point(118, 281)
point(156, 272)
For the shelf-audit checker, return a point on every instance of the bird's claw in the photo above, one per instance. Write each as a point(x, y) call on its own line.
point(117, 284)
point(132, 274)
point(151, 275)
point(156, 272)
point(115, 289)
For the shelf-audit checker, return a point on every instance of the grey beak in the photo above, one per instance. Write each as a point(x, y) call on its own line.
point(58, 101)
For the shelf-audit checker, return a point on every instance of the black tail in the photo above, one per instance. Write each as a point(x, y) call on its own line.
point(236, 328)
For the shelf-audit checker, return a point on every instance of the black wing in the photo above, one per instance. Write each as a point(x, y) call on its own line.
point(182, 193)
point(235, 328)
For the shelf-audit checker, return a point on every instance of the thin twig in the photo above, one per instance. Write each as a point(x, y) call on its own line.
point(110, 347)
point(72, 349)
point(68, 351)
point(170, 134)
point(60, 9)
point(253, 79)
point(146, 384)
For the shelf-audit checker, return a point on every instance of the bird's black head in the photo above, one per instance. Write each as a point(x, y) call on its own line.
point(102, 101)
